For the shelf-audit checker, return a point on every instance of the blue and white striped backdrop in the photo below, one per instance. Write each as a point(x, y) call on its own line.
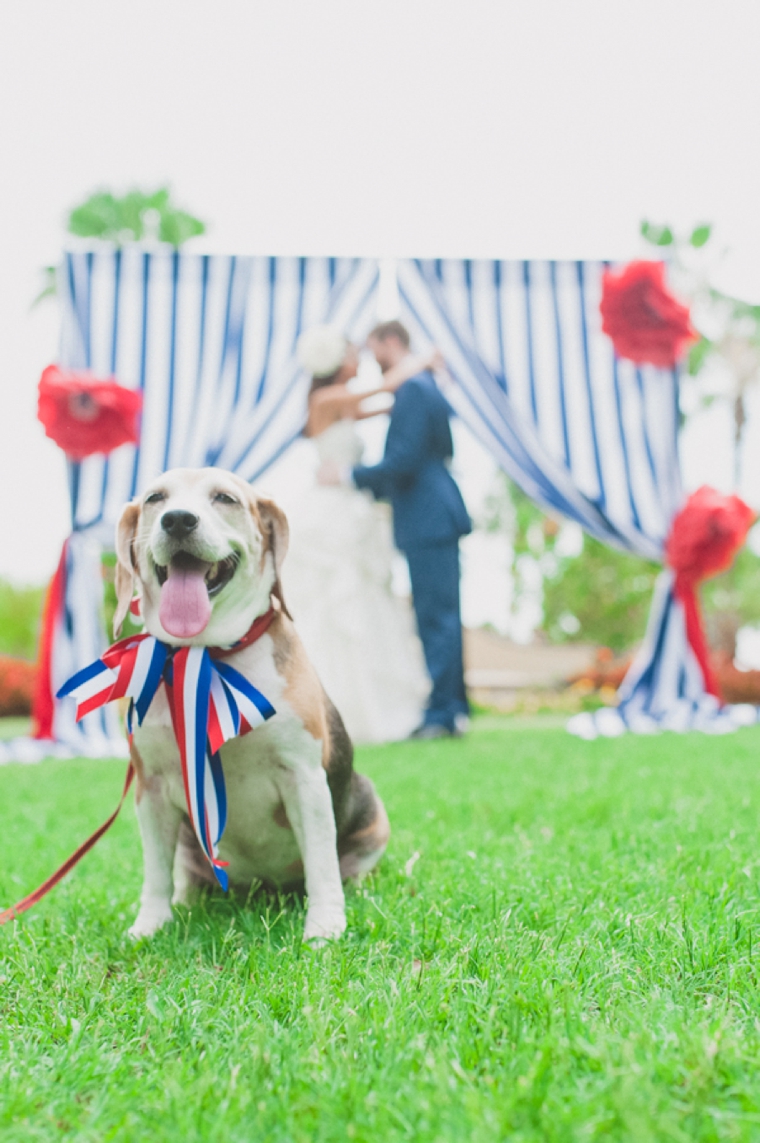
point(210, 341)
point(582, 433)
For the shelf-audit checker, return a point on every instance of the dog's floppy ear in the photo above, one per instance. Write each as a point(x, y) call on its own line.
point(126, 566)
point(274, 525)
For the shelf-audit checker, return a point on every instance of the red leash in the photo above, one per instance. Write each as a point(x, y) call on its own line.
point(32, 898)
point(255, 631)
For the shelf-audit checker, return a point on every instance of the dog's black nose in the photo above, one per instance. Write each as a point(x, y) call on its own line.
point(179, 524)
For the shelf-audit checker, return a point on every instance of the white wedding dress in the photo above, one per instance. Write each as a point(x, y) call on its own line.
point(337, 585)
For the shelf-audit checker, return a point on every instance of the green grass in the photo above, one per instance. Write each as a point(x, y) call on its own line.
point(562, 943)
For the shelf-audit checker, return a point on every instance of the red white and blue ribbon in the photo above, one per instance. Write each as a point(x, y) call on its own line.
point(210, 702)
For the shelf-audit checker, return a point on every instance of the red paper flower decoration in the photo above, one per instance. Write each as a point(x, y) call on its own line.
point(704, 538)
point(645, 322)
point(85, 414)
point(706, 534)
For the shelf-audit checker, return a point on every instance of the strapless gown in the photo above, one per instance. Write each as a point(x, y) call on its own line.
point(361, 638)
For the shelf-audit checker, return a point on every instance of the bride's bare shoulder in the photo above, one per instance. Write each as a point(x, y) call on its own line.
point(325, 407)
point(330, 395)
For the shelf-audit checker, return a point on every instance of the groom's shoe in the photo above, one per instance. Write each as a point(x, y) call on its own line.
point(434, 730)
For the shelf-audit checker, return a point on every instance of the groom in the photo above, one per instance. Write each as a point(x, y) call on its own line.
point(429, 516)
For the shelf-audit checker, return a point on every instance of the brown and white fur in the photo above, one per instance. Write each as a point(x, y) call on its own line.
point(298, 813)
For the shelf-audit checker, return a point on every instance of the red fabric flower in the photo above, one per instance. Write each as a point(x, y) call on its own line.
point(645, 322)
point(704, 538)
point(85, 414)
point(706, 534)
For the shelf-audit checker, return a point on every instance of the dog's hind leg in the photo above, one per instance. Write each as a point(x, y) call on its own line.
point(364, 835)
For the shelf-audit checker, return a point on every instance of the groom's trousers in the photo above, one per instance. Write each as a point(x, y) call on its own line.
point(434, 573)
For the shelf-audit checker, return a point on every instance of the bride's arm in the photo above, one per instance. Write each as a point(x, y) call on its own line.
point(410, 366)
point(336, 403)
point(364, 413)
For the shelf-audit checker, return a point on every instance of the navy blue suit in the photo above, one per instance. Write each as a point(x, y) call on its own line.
point(429, 516)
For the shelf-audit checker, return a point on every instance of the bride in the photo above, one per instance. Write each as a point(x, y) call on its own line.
point(360, 637)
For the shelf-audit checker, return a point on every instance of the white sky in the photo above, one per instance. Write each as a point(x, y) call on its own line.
point(516, 128)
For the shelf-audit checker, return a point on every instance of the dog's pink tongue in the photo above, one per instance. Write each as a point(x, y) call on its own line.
point(185, 608)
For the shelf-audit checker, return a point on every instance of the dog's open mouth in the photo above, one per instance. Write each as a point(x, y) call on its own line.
point(216, 576)
point(188, 585)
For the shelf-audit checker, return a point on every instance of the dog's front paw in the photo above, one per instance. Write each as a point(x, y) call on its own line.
point(150, 919)
point(324, 925)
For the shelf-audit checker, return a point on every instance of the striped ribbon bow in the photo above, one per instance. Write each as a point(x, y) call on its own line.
point(210, 702)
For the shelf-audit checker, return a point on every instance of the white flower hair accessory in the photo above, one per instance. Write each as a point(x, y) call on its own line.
point(321, 349)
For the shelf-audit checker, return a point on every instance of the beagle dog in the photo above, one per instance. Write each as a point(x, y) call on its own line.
point(204, 553)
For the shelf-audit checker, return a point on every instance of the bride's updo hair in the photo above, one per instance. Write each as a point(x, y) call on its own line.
point(321, 351)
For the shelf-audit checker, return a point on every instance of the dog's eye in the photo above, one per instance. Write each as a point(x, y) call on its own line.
point(223, 498)
point(155, 498)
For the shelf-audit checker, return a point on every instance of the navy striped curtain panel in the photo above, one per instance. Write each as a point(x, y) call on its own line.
point(583, 433)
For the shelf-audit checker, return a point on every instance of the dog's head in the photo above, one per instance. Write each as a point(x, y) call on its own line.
point(206, 552)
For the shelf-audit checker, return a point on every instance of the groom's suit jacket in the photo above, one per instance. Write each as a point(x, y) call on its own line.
point(413, 474)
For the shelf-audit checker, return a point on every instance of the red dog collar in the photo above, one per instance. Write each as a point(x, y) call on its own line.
point(259, 627)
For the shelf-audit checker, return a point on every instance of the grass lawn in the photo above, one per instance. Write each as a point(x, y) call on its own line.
point(562, 943)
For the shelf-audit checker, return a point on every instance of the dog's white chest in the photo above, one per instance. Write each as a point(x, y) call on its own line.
point(258, 841)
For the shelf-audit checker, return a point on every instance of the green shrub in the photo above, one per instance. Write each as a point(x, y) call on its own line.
point(606, 593)
point(20, 615)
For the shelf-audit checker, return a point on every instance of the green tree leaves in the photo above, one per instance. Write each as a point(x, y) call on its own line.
point(664, 235)
point(697, 354)
point(700, 235)
point(134, 216)
point(657, 235)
